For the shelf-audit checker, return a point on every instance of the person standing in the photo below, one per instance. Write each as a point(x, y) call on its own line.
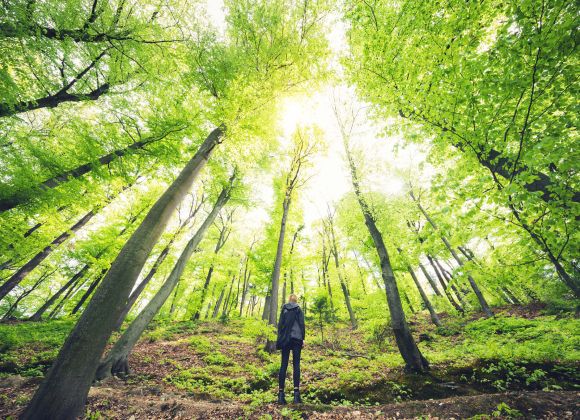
point(291, 335)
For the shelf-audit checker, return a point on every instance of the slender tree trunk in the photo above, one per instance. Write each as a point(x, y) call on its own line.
point(216, 308)
point(486, 309)
point(273, 315)
point(139, 289)
point(430, 280)
point(20, 197)
point(245, 291)
point(21, 274)
point(406, 296)
point(449, 279)
point(407, 346)
point(344, 290)
point(38, 314)
point(116, 360)
point(89, 291)
point(38, 282)
point(62, 394)
point(325, 262)
point(426, 300)
point(227, 302)
point(172, 309)
point(444, 286)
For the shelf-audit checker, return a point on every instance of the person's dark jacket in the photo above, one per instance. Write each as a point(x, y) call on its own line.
point(290, 316)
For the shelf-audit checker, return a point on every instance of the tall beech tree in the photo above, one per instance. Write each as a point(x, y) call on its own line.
point(116, 361)
point(306, 144)
point(329, 222)
point(414, 360)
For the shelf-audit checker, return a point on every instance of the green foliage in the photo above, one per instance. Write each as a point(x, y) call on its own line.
point(218, 359)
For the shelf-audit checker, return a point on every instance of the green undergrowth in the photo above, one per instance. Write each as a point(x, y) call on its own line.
point(226, 360)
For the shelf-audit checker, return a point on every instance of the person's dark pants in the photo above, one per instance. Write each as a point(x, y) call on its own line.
point(296, 347)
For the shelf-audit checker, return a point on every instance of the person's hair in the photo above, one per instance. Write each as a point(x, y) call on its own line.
point(293, 298)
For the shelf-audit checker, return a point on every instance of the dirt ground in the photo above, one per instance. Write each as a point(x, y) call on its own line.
point(117, 401)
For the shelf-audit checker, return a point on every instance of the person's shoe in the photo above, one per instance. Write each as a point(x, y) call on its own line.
point(297, 399)
point(282, 398)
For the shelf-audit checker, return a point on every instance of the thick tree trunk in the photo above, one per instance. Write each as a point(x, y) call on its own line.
point(42, 255)
point(116, 360)
point(273, 315)
point(62, 394)
point(266, 312)
point(407, 346)
point(426, 300)
point(38, 314)
point(486, 309)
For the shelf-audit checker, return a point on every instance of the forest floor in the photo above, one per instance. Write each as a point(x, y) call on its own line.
point(521, 364)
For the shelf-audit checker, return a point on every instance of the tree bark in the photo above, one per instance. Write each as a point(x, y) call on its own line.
point(266, 312)
point(21, 274)
point(62, 394)
point(405, 342)
point(273, 315)
point(444, 286)
point(116, 360)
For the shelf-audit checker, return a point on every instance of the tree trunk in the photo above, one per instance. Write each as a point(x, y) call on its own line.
point(430, 280)
point(216, 308)
point(38, 282)
point(172, 309)
point(135, 294)
point(444, 286)
point(62, 394)
point(449, 279)
point(227, 302)
point(426, 300)
point(344, 290)
point(283, 293)
point(41, 256)
point(405, 342)
point(266, 312)
point(273, 315)
point(89, 291)
point(116, 360)
point(326, 280)
point(245, 291)
point(486, 309)
point(38, 314)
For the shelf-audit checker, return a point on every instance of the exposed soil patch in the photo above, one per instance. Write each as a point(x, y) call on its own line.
point(122, 402)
